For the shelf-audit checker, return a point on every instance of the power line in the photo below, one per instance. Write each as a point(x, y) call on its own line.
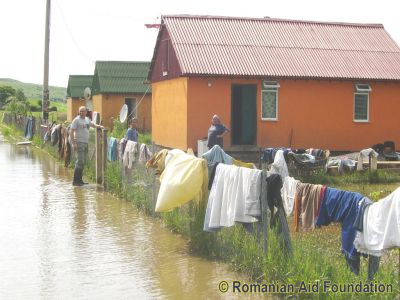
point(82, 52)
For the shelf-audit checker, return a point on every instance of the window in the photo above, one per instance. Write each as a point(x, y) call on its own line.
point(361, 102)
point(363, 88)
point(269, 100)
point(165, 57)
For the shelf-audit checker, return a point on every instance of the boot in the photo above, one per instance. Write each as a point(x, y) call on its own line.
point(80, 174)
point(77, 177)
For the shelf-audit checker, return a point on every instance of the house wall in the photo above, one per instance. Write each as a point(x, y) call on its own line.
point(73, 105)
point(98, 105)
point(170, 113)
point(165, 64)
point(319, 114)
point(109, 106)
point(144, 113)
point(311, 113)
point(204, 101)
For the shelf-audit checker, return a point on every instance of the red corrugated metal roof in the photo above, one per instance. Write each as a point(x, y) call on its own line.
point(228, 46)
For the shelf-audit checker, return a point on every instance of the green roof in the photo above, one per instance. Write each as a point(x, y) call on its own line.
point(120, 77)
point(77, 84)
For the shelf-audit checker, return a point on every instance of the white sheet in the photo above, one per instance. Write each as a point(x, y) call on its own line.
point(381, 226)
point(279, 165)
point(234, 188)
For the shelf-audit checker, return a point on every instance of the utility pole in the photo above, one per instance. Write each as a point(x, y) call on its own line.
point(45, 100)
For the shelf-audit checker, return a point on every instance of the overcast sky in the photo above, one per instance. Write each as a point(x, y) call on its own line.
point(83, 31)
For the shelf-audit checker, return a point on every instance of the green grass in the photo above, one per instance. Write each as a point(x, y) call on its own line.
point(375, 184)
point(56, 116)
point(61, 106)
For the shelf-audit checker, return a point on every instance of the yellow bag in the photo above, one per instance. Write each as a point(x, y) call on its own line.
point(181, 181)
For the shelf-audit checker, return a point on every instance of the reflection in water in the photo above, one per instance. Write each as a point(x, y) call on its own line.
point(59, 241)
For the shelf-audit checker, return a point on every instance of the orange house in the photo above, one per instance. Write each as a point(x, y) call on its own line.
point(75, 96)
point(116, 83)
point(275, 83)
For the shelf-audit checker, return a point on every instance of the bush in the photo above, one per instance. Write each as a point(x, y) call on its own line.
point(62, 117)
point(33, 107)
point(16, 107)
point(53, 108)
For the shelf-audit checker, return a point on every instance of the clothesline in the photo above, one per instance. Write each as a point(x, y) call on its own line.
point(127, 151)
point(235, 198)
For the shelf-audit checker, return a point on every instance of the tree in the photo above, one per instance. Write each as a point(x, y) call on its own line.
point(19, 94)
point(16, 107)
point(6, 91)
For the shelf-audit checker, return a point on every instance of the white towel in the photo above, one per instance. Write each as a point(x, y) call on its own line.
point(129, 154)
point(288, 192)
point(144, 153)
point(381, 226)
point(232, 187)
point(120, 152)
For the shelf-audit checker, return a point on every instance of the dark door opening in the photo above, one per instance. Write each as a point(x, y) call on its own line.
point(244, 114)
point(131, 103)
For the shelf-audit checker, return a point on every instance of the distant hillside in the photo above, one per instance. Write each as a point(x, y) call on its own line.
point(34, 91)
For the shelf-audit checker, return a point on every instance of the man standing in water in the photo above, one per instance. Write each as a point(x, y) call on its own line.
point(80, 139)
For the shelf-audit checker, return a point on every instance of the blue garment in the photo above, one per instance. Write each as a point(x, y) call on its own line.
point(342, 206)
point(29, 129)
point(212, 138)
point(216, 154)
point(359, 221)
point(131, 134)
point(112, 149)
point(373, 261)
point(268, 154)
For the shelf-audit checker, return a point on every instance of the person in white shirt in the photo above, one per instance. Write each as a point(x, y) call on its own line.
point(79, 142)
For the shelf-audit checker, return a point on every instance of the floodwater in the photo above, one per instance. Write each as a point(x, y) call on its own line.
point(64, 242)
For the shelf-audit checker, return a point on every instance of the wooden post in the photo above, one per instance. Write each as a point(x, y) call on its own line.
point(45, 99)
point(153, 173)
point(104, 157)
point(99, 169)
point(264, 210)
point(369, 162)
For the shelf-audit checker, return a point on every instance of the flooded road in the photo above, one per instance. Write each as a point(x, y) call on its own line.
point(61, 242)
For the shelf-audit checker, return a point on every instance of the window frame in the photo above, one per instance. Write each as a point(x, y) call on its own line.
point(362, 88)
point(354, 108)
point(269, 86)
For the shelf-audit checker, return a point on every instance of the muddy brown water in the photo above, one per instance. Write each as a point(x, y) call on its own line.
point(61, 242)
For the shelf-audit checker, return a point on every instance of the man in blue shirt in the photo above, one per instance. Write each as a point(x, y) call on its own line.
point(132, 133)
point(216, 132)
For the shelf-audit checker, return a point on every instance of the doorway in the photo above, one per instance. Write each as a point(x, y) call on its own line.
point(244, 115)
point(131, 103)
